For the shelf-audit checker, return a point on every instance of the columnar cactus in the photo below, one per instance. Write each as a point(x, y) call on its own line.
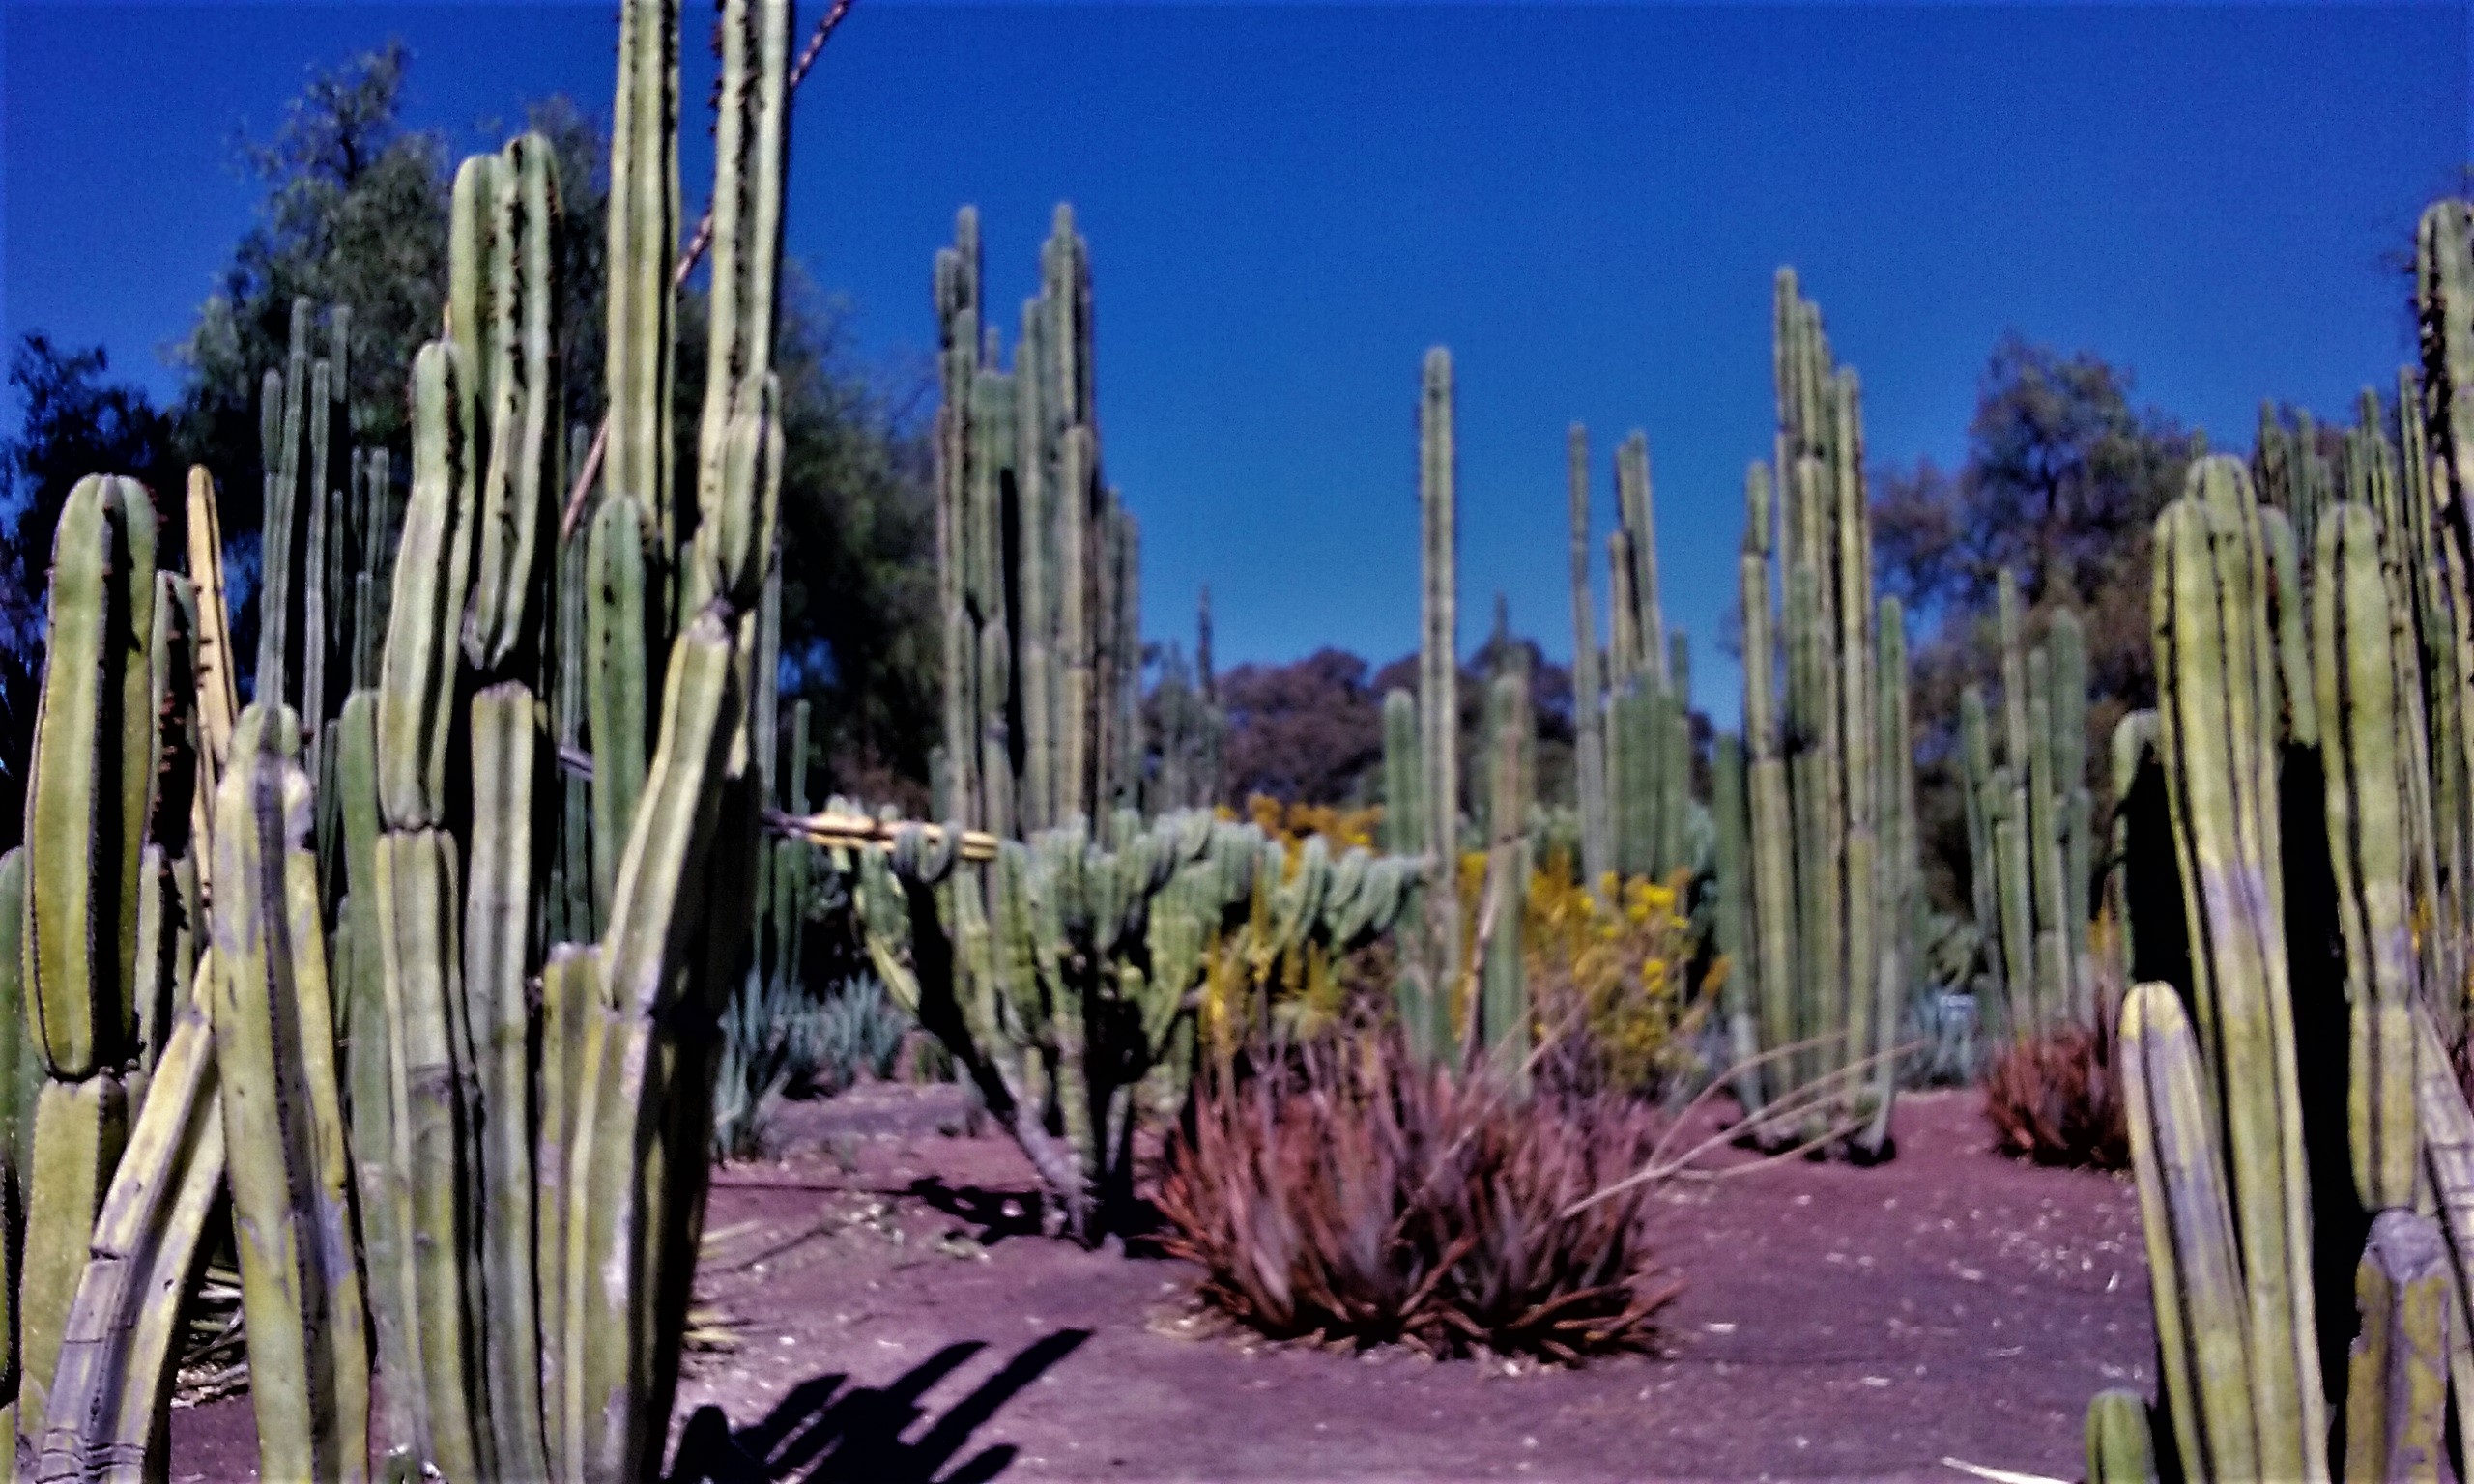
point(2358, 702)
point(2031, 915)
point(89, 810)
point(1018, 451)
point(1589, 711)
point(1503, 1008)
point(1633, 755)
point(1831, 883)
point(1437, 965)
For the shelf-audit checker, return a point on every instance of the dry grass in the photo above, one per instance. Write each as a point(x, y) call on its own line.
point(1348, 1197)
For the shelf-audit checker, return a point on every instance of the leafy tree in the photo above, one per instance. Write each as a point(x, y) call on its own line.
point(355, 212)
point(71, 424)
point(2062, 481)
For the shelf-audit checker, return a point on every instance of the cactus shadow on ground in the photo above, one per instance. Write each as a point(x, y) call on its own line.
point(824, 1431)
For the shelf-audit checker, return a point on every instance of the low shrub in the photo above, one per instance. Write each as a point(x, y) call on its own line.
point(1337, 1192)
point(2057, 1099)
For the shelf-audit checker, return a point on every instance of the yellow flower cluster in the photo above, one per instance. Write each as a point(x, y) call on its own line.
point(1291, 823)
point(1613, 963)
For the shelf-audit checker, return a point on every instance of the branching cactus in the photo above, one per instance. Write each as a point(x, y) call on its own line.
point(1072, 1002)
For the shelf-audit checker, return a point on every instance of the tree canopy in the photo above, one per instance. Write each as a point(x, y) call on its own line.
point(2062, 481)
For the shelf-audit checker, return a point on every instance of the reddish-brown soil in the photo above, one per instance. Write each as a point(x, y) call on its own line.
point(896, 1318)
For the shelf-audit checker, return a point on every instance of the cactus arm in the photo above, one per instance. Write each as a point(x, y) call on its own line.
point(218, 707)
point(1439, 670)
point(654, 920)
point(2195, 1274)
point(2120, 1449)
point(2448, 1164)
point(282, 1114)
point(569, 998)
point(74, 802)
point(615, 677)
point(520, 347)
point(79, 1128)
point(2397, 1388)
point(2354, 641)
point(415, 875)
point(747, 232)
point(382, 1176)
point(2217, 709)
point(498, 912)
point(433, 568)
point(110, 1401)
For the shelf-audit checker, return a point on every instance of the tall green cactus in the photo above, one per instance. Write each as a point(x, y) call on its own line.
point(1589, 710)
point(2369, 710)
point(89, 805)
point(1438, 949)
point(1502, 1008)
point(1633, 762)
point(2033, 913)
point(1829, 859)
point(2219, 715)
point(1049, 635)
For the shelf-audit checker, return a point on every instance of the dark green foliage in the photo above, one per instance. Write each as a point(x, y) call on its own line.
point(2063, 478)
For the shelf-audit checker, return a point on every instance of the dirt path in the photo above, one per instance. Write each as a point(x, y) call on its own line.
point(894, 1323)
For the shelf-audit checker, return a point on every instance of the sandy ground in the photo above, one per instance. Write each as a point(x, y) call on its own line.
point(894, 1317)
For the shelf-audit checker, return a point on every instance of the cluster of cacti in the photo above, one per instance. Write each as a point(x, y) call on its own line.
point(2030, 824)
point(527, 1119)
point(1632, 740)
point(1819, 870)
point(1191, 732)
point(1038, 562)
point(1066, 980)
point(2296, 691)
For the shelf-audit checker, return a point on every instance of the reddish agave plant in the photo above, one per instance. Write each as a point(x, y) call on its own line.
point(2057, 1099)
point(1346, 1195)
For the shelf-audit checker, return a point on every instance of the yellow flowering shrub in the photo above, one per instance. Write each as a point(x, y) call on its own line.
point(1611, 978)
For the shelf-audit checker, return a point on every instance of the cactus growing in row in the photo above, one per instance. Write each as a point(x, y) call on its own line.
point(1830, 848)
point(2033, 810)
point(1037, 559)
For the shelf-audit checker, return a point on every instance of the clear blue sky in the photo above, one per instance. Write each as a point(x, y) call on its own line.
point(1286, 205)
